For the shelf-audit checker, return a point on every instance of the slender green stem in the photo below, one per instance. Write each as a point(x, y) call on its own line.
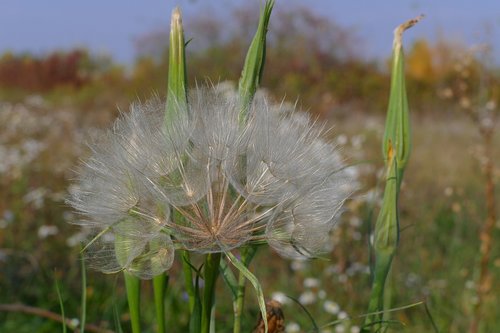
point(255, 283)
point(195, 320)
point(238, 304)
point(188, 279)
point(83, 315)
point(160, 284)
point(133, 284)
point(211, 272)
point(61, 305)
point(246, 257)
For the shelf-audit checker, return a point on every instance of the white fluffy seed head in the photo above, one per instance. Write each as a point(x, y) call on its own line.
point(207, 183)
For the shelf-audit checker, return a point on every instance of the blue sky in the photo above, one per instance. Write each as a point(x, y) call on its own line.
point(109, 26)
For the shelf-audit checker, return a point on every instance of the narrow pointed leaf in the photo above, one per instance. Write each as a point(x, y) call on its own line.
point(255, 283)
point(229, 278)
point(83, 316)
point(255, 59)
point(397, 136)
point(177, 87)
point(61, 305)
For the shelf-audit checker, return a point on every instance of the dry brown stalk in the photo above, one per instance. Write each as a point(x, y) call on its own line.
point(485, 236)
point(22, 308)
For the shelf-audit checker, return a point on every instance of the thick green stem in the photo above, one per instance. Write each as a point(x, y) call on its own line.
point(376, 303)
point(133, 287)
point(396, 147)
point(160, 284)
point(210, 272)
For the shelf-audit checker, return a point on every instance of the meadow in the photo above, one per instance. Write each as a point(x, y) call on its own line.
point(51, 106)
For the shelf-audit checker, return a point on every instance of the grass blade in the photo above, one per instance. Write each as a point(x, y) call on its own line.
point(83, 316)
point(229, 279)
point(61, 305)
point(255, 283)
point(247, 254)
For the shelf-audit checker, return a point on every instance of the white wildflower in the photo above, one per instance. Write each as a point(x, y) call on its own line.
point(292, 327)
point(307, 297)
point(342, 315)
point(331, 307)
point(311, 283)
point(280, 297)
point(47, 230)
point(339, 328)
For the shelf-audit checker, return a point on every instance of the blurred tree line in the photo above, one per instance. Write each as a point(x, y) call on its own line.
point(309, 58)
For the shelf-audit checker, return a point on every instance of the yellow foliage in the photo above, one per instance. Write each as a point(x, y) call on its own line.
point(419, 62)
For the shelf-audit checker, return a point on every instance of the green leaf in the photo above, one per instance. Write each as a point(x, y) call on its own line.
point(251, 74)
point(229, 278)
point(83, 315)
point(255, 283)
point(177, 87)
point(387, 224)
point(397, 136)
point(247, 255)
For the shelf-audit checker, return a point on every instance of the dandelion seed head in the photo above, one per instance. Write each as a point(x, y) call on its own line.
point(207, 182)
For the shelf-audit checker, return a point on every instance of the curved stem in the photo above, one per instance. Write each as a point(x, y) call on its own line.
point(246, 257)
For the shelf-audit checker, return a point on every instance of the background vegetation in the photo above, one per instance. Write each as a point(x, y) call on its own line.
point(51, 104)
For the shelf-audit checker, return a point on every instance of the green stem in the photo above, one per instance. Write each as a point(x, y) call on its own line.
point(188, 279)
point(195, 320)
point(238, 305)
point(83, 317)
point(160, 284)
point(132, 285)
point(382, 267)
point(246, 257)
point(211, 271)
